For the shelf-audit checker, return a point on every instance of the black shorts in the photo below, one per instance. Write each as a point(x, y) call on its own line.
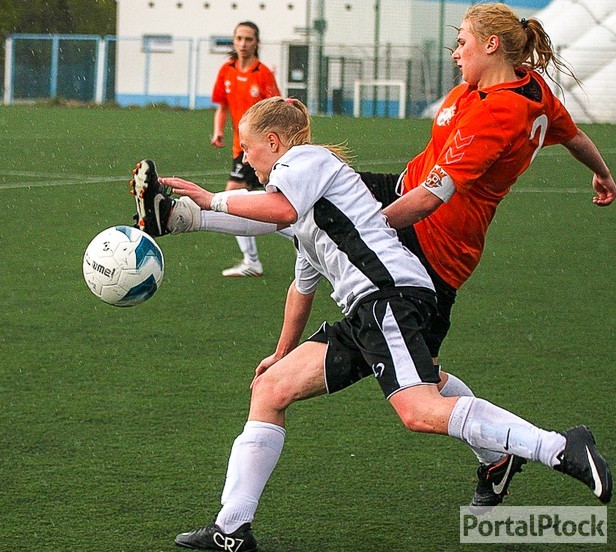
point(383, 187)
point(243, 172)
point(384, 338)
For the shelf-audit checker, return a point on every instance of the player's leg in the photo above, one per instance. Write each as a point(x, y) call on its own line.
point(345, 364)
point(250, 264)
point(255, 452)
point(158, 214)
point(187, 216)
point(404, 374)
point(495, 470)
point(574, 452)
point(243, 176)
point(480, 423)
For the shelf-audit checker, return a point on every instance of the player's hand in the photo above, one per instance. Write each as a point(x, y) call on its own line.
point(179, 186)
point(264, 365)
point(605, 188)
point(218, 141)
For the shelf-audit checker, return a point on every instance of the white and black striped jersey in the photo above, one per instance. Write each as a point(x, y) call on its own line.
point(340, 230)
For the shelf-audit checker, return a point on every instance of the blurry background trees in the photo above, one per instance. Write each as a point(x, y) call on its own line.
point(57, 16)
point(96, 17)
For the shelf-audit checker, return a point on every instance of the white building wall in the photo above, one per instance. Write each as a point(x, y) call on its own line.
point(182, 71)
point(166, 75)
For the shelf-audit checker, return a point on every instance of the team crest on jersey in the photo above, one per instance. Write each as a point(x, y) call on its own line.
point(440, 183)
point(436, 177)
point(227, 86)
point(254, 91)
point(445, 115)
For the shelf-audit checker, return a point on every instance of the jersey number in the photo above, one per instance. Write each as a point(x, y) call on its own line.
point(540, 123)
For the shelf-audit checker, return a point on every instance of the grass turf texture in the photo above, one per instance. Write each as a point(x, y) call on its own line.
point(116, 423)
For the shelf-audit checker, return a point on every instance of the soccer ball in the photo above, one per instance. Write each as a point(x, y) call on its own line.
point(123, 266)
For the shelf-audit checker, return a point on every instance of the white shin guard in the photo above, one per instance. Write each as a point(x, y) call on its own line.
point(253, 457)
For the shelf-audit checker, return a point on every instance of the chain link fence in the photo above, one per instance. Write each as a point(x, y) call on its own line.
point(382, 75)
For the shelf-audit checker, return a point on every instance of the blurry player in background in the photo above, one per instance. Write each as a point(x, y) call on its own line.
point(242, 82)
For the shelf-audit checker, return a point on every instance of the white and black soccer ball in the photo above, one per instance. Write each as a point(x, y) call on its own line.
point(123, 266)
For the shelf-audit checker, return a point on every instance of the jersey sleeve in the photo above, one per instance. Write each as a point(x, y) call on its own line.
point(219, 95)
point(562, 128)
point(303, 175)
point(269, 86)
point(307, 277)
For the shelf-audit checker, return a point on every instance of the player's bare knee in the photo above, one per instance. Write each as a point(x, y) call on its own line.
point(414, 420)
point(273, 392)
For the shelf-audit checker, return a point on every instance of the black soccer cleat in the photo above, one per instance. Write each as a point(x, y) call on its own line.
point(581, 459)
point(213, 538)
point(153, 201)
point(493, 481)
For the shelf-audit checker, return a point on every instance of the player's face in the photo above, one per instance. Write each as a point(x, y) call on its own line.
point(261, 151)
point(245, 42)
point(470, 55)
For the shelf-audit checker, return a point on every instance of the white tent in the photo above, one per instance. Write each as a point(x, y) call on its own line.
point(567, 20)
point(583, 32)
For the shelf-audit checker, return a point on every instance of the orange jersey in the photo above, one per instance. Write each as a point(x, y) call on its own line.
point(239, 90)
point(484, 140)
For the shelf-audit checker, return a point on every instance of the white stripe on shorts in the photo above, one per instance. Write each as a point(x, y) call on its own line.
point(404, 367)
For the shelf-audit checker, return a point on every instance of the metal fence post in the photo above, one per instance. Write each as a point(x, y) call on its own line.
point(8, 70)
point(101, 66)
point(192, 58)
point(53, 73)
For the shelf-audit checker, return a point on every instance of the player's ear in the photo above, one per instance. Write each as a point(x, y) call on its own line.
point(492, 44)
point(273, 141)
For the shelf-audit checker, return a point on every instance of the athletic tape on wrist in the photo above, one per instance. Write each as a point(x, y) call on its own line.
point(219, 203)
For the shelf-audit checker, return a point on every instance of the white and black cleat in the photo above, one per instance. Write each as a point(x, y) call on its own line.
point(581, 459)
point(154, 203)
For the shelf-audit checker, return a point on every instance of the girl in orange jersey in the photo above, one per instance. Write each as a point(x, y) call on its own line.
point(242, 82)
point(484, 136)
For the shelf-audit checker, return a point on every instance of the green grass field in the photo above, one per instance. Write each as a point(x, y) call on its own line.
point(116, 423)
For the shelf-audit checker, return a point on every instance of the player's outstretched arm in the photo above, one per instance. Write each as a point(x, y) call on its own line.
point(265, 207)
point(179, 186)
point(412, 207)
point(582, 148)
point(296, 313)
point(605, 190)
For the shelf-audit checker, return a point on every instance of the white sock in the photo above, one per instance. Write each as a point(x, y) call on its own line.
point(253, 457)
point(248, 246)
point(480, 423)
point(185, 216)
point(223, 223)
point(455, 387)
